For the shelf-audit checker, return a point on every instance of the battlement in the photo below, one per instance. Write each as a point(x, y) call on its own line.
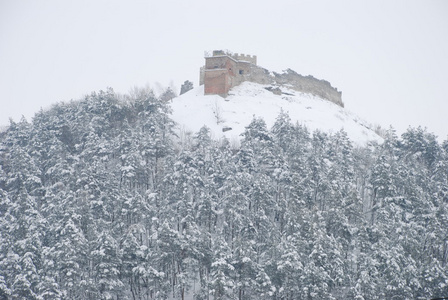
point(236, 56)
point(243, 57)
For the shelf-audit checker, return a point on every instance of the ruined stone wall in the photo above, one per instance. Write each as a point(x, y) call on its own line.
point(291, 79)
point(242, 72)
point(260, 75)
point(309, 84)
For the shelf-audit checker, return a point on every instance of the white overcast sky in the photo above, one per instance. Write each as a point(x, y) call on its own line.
point(389, 58)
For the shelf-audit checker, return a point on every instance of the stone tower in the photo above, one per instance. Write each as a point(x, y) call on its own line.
point(224, 70)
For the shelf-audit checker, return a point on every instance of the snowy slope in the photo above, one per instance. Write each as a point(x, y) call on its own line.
point(193, 110)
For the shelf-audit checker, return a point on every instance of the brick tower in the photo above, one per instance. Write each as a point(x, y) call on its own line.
point(224, 70)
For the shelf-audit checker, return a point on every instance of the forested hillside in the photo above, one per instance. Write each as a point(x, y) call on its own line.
point(100, 200)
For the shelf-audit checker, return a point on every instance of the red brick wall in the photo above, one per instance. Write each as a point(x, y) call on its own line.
point(219, 74)
point(216, 82)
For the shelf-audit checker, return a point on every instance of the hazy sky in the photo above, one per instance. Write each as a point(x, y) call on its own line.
point(389, 58)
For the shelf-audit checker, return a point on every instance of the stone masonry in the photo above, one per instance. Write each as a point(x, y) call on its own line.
point(224, 70)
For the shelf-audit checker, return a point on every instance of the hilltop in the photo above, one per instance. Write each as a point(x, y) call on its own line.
point(228, 117)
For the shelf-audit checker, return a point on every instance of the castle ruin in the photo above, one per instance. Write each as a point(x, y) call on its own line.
point(224, 70)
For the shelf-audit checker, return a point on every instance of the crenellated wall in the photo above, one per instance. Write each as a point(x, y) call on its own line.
point(247, 58)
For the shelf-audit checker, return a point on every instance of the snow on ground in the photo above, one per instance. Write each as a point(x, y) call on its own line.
point(193, 110)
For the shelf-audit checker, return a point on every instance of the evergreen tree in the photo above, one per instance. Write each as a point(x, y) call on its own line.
point(186, 86)
point(100, 200)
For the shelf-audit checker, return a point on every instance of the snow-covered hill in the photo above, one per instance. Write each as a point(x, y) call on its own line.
point(193, 110)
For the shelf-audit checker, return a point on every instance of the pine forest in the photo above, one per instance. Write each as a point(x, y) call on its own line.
point(101, 198)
